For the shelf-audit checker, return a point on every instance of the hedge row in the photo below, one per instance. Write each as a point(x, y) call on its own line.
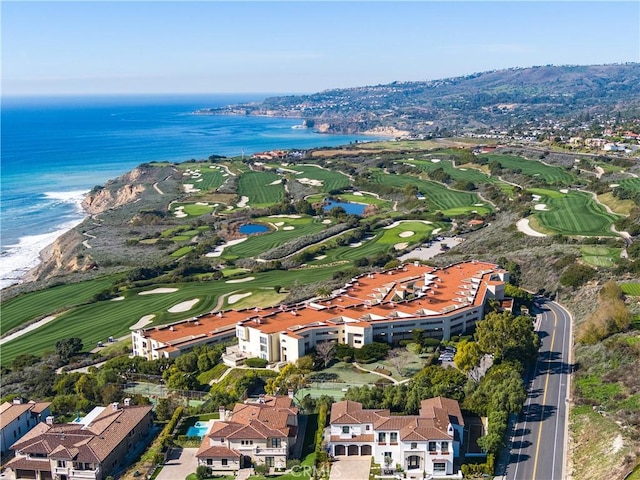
point(322, 421)
point(166, 434)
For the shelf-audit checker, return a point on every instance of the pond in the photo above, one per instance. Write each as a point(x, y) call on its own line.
point(252, 228)
point(350, 208)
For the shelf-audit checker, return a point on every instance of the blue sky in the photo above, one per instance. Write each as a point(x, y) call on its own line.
point(296, 47)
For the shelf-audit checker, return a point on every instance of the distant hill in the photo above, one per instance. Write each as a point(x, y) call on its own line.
point(494, 99)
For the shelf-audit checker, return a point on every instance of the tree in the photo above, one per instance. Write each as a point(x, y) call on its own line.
point(508, 338)
point(326, 352)
point(68, 347)
point(467, 358)
point(398, 358)
point(203, 472)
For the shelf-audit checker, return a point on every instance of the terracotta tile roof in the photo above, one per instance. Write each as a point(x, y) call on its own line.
point(11, 411)
point(22, 463)
point(451, 409)
point(92, 443)
point(381, 296)
point(349, 412)
point(207, 450)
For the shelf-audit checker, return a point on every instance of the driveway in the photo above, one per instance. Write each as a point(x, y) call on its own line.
point(180, 463)
point(351, 468)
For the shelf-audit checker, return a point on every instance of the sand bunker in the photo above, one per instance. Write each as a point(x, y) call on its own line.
point(143, 322)
point(406, 234)
point(478, 204)
point(279, 224)
point(536, 197)
point(220, 248)
point(360, 194)
point(321, 257)
point(523, 226)
point(435, 160)
point(238, 296)
point(184, 306)
point(614, 185)
point(395, 224)
point(117, 299)
point(436, 231)
point(288, 227)
point(241, 280)
point(541, 206)
point(276, 182)
point(326, 222)
point(243, 202)
point(285, 216)
point(357, 244)
point(564, 190)
point(400, 246)
point(206, 204)
point(180, 214)
point(158, 290)
point(189, 188)
point(310, 181)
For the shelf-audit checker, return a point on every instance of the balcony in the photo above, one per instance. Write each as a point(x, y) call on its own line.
point(271, 451)
point(61, 471)
point(85, 473)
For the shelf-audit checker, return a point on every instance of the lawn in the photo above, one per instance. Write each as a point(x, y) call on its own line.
point(260, 188)
point(331, 180)
point(194, 209)
point(460, 173)
point(203, 176)
point(632, 289)
point(600, 256)
point(533, 168)
point(32, 306)
point(573, 213)
point(254, 245)
point(437, 196)
point(216, 372)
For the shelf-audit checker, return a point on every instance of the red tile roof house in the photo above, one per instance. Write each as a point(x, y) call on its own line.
point(419, 444)
point(17, 418)
point(262, 432)
point(88, 449)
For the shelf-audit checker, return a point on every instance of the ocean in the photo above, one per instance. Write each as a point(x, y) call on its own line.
point(55, 149)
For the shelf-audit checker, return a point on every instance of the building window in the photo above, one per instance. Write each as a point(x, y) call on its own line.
point(225, 462)
point(367, 428)
point(432, 447)
point(382, 437)
point(445, 447)
point(62, 463)
point(439, 467)
point(269, 461)
point(414, 446)
point(393, 437)
point(209, 461)
point(345, 429)
point(275, 443)
point(388, 458)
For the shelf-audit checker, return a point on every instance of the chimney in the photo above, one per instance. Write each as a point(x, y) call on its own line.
point(290, 393)
point(18, 401)
point(127, 402)
point(114, 406)
point(49, 420)
point(222, 412)
point(261, 398)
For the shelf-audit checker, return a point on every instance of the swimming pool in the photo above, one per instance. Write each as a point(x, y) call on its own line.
point(200, 429)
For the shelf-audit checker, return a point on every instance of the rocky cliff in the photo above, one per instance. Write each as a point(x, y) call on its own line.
point(114, 194)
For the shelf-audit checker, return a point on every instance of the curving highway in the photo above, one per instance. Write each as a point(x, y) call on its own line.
point(539, 437)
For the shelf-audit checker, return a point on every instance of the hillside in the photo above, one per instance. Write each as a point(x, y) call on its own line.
point(487, 100)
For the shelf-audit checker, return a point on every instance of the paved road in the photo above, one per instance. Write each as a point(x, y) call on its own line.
point(538, 442)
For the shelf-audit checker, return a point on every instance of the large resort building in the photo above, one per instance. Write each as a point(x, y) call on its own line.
point(384, 306)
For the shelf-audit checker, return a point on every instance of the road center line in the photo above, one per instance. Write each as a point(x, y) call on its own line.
point(544, 397)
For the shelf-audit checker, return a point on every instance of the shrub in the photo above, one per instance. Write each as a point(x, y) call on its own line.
point(203, 472)
point(261, 469)
point(256, 362)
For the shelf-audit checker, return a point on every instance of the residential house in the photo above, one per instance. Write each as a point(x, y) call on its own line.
point(90, 448)
point(261, 431)
point(17, 418)
point(429, 442)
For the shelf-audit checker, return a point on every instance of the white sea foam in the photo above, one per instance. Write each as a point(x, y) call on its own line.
point(23, 256)
point(19, 258)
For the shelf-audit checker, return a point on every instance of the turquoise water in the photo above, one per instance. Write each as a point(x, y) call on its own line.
point(198, 430)
point(350, 208)
point(251, 228)
point(55, 149)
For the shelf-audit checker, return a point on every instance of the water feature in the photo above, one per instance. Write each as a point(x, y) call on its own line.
point(350, 208)
point(253, 228)
point(200, 429)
